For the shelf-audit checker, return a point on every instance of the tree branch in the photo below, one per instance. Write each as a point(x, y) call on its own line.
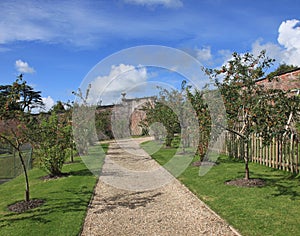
point(232, 131)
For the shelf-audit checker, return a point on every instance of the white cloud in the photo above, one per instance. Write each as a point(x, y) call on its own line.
point(224, 57)
point(273, 50)
point(204, 54)
point(165, 3)
point(225, 54)
point(63, 22)
point(122, 78)
point(209, 59)
point(23, 67)
point(79, 23)
point(289, 34)
point(49, 103)
point(288, 48)
point(289, 38)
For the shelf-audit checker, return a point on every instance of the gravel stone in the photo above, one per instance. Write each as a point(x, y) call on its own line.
point(170, 209)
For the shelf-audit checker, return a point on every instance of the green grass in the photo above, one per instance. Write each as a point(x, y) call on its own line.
point(163, 155)
point(66, 199)
point(270, 210)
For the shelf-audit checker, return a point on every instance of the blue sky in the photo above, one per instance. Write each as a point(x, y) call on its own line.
point(56, 43)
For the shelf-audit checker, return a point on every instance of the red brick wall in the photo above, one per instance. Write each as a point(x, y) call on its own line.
point(132, 109)
point(286, 82)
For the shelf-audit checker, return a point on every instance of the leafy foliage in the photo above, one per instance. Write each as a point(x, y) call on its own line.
point(174, 111)
point(53, 142)
point(163, 112)
point(103, 125)
point(201, 108)
point(58, 107)
point(16, 123)
point(282, 68)
point(250, 107)
point(83, 118)
point(19, 97)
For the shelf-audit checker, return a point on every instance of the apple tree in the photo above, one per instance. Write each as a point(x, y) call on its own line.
point(251, 107)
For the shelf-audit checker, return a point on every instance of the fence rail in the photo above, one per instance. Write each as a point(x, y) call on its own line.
point(281, 153)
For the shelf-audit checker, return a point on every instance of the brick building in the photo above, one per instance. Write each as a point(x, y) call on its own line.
point(126, 116)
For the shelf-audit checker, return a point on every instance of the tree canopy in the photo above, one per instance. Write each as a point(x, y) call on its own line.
point(19, 97)
point(282, 68)
point(251, 107)
point(16, 122)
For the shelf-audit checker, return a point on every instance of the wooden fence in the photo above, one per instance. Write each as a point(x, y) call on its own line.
point(282, 153)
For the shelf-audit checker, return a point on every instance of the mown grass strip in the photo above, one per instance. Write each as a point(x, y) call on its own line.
point(270, 210)
point(66, 199)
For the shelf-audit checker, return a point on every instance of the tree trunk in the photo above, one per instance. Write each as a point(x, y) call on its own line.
point(247, 177)
point(246, 158)
point(27, 193)
point(169, 139)
point(72, 155)
point(72, 152)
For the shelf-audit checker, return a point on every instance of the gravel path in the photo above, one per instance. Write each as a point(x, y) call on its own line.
point(128, 202)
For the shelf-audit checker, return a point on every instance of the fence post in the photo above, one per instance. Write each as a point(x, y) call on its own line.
point(281, 153)
point(14, 157)
point(297, 154)
point(30, 159)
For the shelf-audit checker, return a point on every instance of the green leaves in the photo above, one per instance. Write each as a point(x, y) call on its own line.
point(54, 140)
point(18, 97)
point(251, 107)
point(197, 100)
point(16, 122)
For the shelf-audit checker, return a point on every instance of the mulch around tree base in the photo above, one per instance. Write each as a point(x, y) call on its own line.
point(246, 182)
point(25, 206)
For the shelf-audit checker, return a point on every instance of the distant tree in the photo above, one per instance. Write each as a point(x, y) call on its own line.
point(160, 112)
point(174, 111)
point(103, 124)
point(7, 102)
point(68, 107)
point(197, 100)
point(58, 107)
point(16, 123)
point(26, 98)
point(83, 118)
point(282, 68)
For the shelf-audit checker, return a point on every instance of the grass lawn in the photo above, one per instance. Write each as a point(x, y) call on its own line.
point(66, 199)
point(270, 210)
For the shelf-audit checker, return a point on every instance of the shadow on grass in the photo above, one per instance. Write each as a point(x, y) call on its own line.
point(284, 190)
point(284, 184)
point(232, 160)
point(54, 206)
point(83, 172)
